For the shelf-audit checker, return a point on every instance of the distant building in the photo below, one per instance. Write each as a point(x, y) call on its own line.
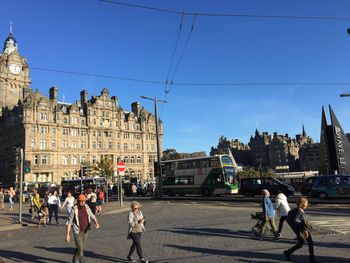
point(278, 151)
point(58, 137)
point(309, 156)
point(259, 146)
point(240, 151)
point(269, 152)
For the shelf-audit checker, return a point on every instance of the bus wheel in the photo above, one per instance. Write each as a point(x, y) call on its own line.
point(206, 192)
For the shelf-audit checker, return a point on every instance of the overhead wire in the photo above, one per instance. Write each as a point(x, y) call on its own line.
point(98, 75)
point(172, 11)
point(166, 91)
point(179, 60)
point(190, 83)
point(173, 54)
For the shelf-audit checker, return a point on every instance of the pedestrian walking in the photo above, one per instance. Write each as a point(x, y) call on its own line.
point(80, 219)
point(69, 201)
point(136, 222)
point(54, 203)
point(282, 208)
point(11, 194)
point(100, 200)
point(134, 191)
point(301, 227)
point(91, 200)
point(2, 199)
point(35, 202)
point(268, 215)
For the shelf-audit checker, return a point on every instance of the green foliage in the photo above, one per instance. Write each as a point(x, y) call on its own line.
point(170, 154)
point(105, 167)
point(249, 173)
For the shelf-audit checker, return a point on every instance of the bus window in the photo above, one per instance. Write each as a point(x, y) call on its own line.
point(226, 160)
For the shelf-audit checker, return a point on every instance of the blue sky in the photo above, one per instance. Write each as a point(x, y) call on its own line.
point(95, 37)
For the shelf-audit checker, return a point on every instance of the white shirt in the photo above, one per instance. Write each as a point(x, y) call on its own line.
point(53, 200)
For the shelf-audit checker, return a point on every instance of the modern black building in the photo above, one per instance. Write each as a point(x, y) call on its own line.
point(334, 146)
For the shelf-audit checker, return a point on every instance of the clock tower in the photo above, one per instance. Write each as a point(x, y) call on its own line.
point(14, 74)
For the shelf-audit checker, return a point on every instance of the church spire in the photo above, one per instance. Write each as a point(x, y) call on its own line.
point(304, 132)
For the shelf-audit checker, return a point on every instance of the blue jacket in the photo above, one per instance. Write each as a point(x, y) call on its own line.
point(268, 209)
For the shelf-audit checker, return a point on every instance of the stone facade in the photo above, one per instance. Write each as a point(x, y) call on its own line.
point(279, 152)
point(309, 155)
point(57, 137)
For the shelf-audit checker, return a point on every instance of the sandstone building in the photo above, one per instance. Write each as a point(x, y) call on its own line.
point(57, 137)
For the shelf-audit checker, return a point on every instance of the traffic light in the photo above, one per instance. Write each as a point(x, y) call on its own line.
point(163, 169)
point(83, 171)
point(26, 166)
point(159, 171)
point(156, 169)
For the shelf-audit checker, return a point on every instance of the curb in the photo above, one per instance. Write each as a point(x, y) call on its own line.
point(121, 210)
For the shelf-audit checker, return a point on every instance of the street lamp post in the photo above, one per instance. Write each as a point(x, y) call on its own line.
point(159, 182)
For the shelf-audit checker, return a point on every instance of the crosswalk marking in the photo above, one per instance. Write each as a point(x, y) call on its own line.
point(339, 225)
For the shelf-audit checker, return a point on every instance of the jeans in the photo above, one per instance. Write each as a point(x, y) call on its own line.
point(11, 202)
point(79, 242)
point(280, 225)
point(301, 242)
point(53, 208)
point(136, 243)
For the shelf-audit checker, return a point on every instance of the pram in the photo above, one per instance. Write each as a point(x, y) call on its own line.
point(259, 216)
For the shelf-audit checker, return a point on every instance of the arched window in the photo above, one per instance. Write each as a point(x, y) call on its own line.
point(65, 120)
point(83, 159)
point(132, 159)
point(65, 160)
point(126, 159)
point(74, 160)
point(139, 159)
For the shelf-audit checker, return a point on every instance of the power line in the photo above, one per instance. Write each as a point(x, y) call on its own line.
point(191, 83)
point(259, 83)
point(179, 61)
point(98, 75)
point(172, 11)
point(183, 50)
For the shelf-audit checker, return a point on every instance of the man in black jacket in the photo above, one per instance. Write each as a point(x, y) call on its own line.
point(298, 222)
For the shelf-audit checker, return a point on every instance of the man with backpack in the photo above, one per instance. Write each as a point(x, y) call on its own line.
point(100, 199)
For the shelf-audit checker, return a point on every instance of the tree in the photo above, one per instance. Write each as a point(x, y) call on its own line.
point(170, 154)
point(105, 167)
point(249, 173)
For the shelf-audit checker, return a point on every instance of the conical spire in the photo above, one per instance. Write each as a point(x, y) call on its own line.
point(304, 132)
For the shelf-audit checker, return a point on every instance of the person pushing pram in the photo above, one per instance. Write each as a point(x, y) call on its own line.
point(266, 218)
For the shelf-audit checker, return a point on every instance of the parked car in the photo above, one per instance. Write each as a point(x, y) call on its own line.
point(253, 186)
point(327, 186)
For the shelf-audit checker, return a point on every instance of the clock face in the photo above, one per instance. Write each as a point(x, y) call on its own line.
point(15, 69)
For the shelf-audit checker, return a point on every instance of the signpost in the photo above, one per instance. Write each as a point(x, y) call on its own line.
point(121, 169)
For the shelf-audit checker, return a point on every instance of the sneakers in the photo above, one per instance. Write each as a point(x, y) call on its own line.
point(287, 255)
point(130, 259)
point(143, 261)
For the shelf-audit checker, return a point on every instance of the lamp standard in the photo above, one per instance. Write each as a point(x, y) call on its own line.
point(159, 187)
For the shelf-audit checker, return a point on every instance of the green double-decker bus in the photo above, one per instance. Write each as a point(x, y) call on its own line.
point(213, 175)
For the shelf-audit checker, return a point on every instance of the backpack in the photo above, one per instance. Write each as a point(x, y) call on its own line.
point(100, 195)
